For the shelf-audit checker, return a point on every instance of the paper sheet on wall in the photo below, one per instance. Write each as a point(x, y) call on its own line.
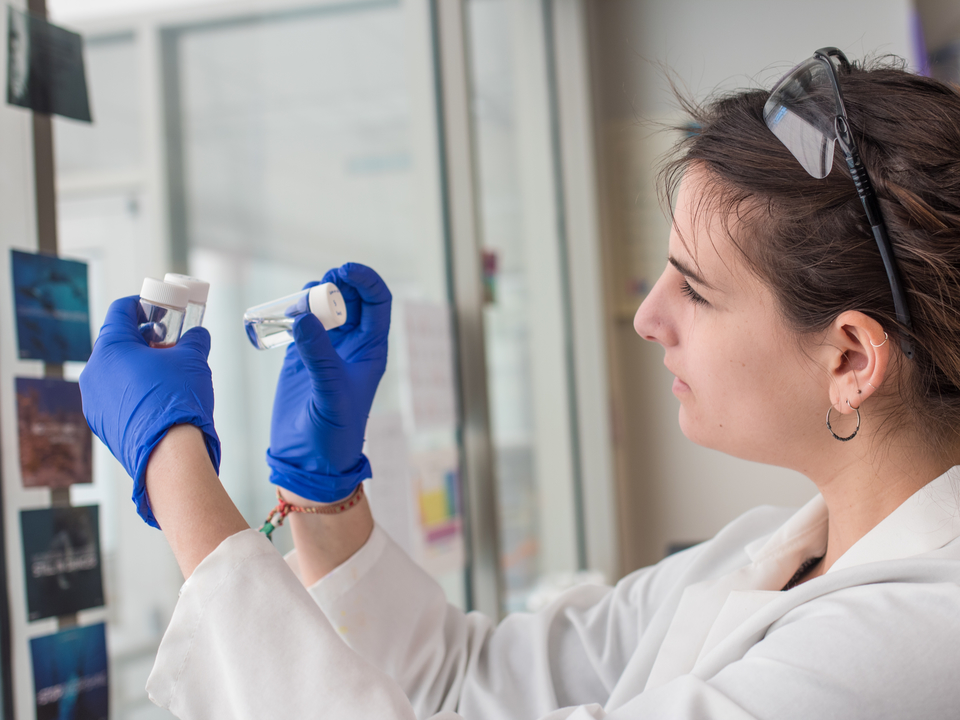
point(389, 490)
point(427, 358)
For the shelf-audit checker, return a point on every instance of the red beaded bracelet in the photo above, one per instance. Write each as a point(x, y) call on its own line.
point(276, 516)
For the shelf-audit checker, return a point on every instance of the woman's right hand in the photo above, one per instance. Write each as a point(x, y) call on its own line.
point(133, 393)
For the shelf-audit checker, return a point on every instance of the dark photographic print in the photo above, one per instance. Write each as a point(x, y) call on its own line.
point(61, 560)
point(52, 307)
point(70, 674)
point(56, 444)
point(45, 67)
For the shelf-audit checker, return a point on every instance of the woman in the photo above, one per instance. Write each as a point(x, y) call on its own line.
point(780, 302)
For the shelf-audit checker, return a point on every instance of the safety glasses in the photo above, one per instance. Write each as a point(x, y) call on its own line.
point(805, 111)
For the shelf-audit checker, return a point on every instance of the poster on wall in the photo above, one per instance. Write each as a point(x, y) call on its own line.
point(61, 559)
point(52, 307)
point(45, 67)
point(56, 444)
point(70, 674)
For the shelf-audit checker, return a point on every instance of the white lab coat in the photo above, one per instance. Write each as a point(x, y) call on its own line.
point(703, 634)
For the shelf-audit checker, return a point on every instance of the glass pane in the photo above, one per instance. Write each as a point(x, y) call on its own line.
point(114, 141)
point(140, 575)
point(101, 221)
point(524, 322)
point(307, 141)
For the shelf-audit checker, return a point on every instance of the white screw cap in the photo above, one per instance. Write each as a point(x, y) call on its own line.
point(159, 292)
point(199, 289)
point(327, 304)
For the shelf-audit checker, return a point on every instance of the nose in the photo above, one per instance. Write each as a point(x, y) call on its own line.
point(653, 321)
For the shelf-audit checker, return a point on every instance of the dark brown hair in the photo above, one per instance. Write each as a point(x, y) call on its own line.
point(809, 239)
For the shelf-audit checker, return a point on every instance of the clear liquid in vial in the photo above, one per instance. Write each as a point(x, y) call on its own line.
point(161, 325)
point(269, 333)
point(270, 325)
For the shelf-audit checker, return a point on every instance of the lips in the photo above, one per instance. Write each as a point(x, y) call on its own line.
point(678, 384)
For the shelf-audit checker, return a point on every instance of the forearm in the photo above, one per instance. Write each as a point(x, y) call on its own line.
point(325, 541)
point(187, 498)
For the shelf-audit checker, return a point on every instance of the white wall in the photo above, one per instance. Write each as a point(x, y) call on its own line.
point(671, 490)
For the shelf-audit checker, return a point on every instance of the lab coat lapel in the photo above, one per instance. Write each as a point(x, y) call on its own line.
point(698, 609)
point(701, 605)
point(709, 610)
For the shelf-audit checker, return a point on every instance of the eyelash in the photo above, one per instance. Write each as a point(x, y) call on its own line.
point(694, 296)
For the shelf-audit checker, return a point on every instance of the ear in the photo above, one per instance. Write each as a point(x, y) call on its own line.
point(858, 356)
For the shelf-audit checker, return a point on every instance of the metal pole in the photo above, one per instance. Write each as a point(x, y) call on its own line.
point(484, 581)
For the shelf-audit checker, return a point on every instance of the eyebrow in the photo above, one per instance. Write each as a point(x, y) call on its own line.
point(687, 272)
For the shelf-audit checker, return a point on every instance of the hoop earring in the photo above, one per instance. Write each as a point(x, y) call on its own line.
point(852, 435)
point(885, 338)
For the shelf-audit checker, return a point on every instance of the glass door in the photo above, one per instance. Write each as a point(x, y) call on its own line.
point(302, 140)
point(526, 320)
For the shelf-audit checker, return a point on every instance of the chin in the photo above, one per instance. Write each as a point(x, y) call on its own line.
point(692, 428)
point(712, 436)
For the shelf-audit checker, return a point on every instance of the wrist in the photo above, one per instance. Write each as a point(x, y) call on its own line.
point(299, 500)
point(311, 484)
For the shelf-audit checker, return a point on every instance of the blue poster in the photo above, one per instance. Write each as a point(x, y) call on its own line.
point(70, 674)
point(52, 307)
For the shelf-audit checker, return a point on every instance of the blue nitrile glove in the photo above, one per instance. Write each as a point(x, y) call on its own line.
point(133, 393)
point(325, 391)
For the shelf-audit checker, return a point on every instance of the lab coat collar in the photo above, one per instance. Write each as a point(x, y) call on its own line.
point(804, 534)
point(926, 521)
point(711, 610)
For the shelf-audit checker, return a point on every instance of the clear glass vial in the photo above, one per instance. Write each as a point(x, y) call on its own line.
point(271, 325)
point(197, 303)
point(163, 307)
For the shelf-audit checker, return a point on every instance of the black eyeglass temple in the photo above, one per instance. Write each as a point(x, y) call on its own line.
point(871, 207)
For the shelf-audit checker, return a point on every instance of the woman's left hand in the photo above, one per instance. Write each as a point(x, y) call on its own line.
point(132, 393)
point(325, 391)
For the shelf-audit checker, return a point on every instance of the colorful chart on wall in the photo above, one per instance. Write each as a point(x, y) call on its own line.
point(45, 67)
point(52, 307)
point(56, 444)
point(436, 480)
point(70, 676)
point(61, 560)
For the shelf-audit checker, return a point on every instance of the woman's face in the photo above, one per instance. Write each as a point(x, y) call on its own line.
point(745, 385)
